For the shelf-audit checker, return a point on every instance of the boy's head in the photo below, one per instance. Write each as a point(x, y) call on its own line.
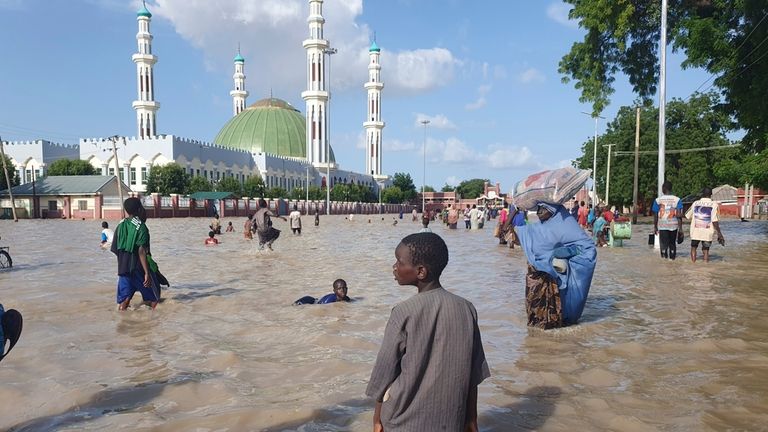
point(211, 234)
point(262, 203)
point(420, 257)
point(340, 288)
point(295, 207)
point(134, 207)
point(706, 192)
point(104, 224)
point(425, 221)
point(666, 187)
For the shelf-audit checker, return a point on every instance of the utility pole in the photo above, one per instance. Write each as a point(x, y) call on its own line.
point(8, 181)
point(637, 166)
point(114, 139)
point(329, 52)
point(594, 159)
point(662, 92)
point(424, 173)
point(306, 203)
point(608, 174)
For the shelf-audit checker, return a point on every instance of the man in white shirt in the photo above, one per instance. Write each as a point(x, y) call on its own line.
point(705, 222)
point(295, 218)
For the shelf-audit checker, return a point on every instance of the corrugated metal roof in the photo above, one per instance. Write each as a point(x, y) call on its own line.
point(63, 185)
point(200, 196)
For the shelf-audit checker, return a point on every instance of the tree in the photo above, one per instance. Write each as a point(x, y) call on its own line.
point(254, 187)
point(72, 167)
point(13, 174)
point(340, 192)
point(230, 184)
point(690, 124)
point(404, 182)
point(721, 36)
point(199, 184)
point(168, 179)
point(276, 192)
point(392, 195)
point(316, 193)
point(448, 188)
point(471, 188)
point(298, 194)
point(428, 188)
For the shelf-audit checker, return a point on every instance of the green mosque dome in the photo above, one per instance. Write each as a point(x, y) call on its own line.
point(144, 12)
point(270, 125)
point(374, 47)
point(239, 58)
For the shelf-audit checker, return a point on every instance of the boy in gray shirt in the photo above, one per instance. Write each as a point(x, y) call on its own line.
point(431, 359)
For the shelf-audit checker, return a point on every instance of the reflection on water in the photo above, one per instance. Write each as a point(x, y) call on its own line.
point(662, 345)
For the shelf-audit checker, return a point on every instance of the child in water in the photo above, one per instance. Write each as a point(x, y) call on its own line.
point(106, 236)
point(211, 240)
point(230, 228)
point(339, 294)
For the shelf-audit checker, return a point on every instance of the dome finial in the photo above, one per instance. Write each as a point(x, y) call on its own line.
point(144, 12)
point(239, 57)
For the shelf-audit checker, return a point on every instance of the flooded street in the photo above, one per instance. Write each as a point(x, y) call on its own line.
point(668, 346)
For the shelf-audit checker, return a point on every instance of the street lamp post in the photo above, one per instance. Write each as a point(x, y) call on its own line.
point(424, 177)
point(662, 92)
point(329, 52)
point(306, 203)
point(608, 174)
point(594, 159)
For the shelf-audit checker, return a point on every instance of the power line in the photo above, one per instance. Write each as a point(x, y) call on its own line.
point(690, 150)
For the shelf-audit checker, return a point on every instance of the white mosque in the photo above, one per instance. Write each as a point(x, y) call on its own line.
point(269, 138)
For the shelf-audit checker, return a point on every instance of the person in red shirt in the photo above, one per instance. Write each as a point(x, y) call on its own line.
point(211, 240)
point(582, 214)
point(607, 215)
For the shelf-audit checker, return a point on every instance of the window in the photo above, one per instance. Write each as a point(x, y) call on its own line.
point(111, 171)
point(27, 176)
point(143, 175)
point(205, 173)
point(122, 173)
point(82, 204)
point(53, 205)
point(133, 175)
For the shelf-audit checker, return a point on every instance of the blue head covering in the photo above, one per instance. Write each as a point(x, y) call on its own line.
point(561, 237)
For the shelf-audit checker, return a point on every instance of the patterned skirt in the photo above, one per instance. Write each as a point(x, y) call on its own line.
point(268, 236)
point(542, 300)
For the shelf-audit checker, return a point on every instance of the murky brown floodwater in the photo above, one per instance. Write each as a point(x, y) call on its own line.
point(662, 346)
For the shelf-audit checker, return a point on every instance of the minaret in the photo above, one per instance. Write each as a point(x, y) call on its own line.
point(239, 94)
point(316, 95)
point(373, 124)
point(145, 106)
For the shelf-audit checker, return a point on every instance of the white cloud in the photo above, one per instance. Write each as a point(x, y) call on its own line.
point(558, 12)
point(480, 101)
point(438, 121)
point(422, 69)
point(531, 75)
point(509, 157)
point(499, 72)
point(476, 105)
point(396, 145)
point(271, 33)
point(452, 181)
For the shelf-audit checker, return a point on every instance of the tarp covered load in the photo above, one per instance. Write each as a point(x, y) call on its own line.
point(553, 187)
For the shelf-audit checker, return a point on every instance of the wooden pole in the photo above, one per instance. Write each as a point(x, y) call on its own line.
point(8, 181)
point(637, 165)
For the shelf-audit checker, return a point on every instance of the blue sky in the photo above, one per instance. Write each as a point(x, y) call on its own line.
point(484, 73)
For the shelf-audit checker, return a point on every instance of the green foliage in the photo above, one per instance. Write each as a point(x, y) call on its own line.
point(298, 194)
point(316, 193)
point(276, 192)
point(70, 167)
point(405, 183)
point(721, 36)
point(168, 179)
point(448, 188)
point(199, 184)
point(471, 188)
point(230, 184)
point(691, 124)
point(392, 195)
point(428, 188)
point(15, 181)
point(352, 193)
point(254, 187)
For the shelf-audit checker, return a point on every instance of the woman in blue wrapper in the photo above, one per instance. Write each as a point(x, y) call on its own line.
point(561, 261)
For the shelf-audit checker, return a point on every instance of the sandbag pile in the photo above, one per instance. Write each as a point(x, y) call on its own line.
point(553, 187)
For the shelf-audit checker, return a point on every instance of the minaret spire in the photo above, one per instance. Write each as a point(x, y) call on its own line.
point(145, 105)
point(373, 124)
point(316, 95)
point(239, 94)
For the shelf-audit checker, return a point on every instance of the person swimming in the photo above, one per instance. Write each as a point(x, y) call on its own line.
point(339, 294)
